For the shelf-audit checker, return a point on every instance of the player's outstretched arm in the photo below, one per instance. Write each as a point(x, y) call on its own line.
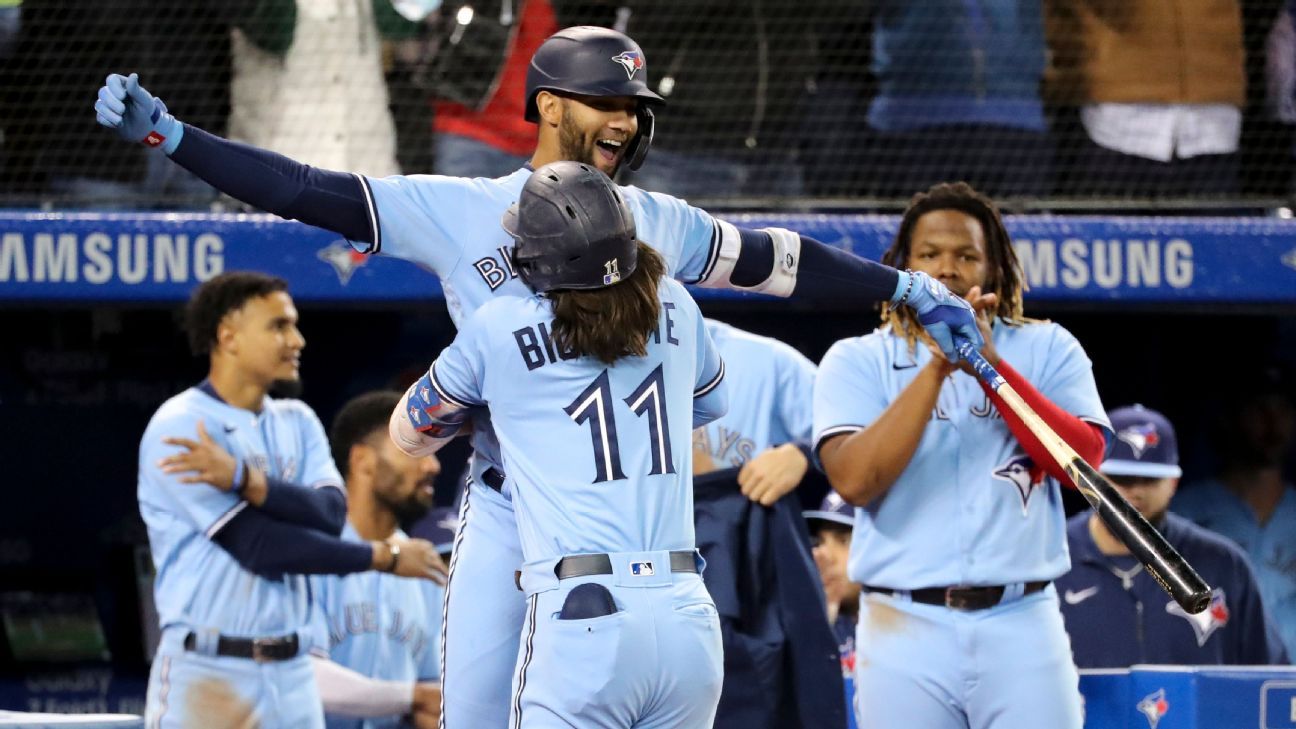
point(331, 200)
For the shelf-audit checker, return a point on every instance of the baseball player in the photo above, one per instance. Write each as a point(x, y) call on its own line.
point(380, 659)
point(771, 386)
point(959, 528)
point(242, 501)
point(587, 91)
point(1108, 593)
point(593, 385)
point(830, 529)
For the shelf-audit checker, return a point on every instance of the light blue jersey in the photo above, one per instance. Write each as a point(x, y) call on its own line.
point(964, 511)
point(771, 391)
point(199, 586)
point(382, 626)
point(1271, 546)
point(598, 455)
point(450, 225)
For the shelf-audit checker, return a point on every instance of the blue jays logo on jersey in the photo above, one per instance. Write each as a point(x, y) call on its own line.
point(343, 258)
point(631, 61)
point(1207, 621)
point(1153, 707)
point(1140, 438)
point(1017, 471)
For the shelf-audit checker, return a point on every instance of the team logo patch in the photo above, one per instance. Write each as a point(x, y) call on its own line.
point(631, 61)
point(343, 258)
point(642, 569)
point(1207, 621)
point(1153, 707)
point(611, 272)
point(1017, 471)
point(1140, 438)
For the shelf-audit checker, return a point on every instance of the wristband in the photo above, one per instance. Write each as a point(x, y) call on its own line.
point(395, 553)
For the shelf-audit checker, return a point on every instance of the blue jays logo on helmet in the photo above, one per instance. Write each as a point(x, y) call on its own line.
point(1017, 471)
point(631, 61)
point(1153, 707)
point(1140, 438)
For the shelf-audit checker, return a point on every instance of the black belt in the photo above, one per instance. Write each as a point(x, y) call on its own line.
point(584, 565)
point(961, 598)
point(493, 478)
point(262, 650)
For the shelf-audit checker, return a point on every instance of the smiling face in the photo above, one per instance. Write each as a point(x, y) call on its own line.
point(262, 339)
point(594, 130)
point(949, 246)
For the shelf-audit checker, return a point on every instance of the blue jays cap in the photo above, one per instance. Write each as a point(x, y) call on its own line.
point(833, 509)
point(1145, 445)
point(439, 527)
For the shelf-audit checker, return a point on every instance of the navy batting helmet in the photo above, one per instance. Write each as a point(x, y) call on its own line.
point(592, 61)
point(573, 229)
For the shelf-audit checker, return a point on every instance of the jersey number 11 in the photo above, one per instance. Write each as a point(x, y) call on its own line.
point(594, 406)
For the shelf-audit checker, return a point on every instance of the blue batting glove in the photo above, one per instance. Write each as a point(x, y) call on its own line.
point(137, 115)
point(943, 314)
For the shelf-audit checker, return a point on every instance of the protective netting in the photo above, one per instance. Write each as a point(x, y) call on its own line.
point(1102, 103)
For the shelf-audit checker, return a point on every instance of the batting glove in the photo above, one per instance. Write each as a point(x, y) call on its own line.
point(137, 115)
point(944, 315)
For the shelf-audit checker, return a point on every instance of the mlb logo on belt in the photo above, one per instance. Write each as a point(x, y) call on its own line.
point(642, 569)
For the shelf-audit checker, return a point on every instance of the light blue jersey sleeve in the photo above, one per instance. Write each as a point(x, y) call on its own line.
point(414, 215)
point(459, 372)
point(847, 395)
point(687, 237)
point(203, 507)
point(710, 396)
point(1067, 379)
point(317, 468)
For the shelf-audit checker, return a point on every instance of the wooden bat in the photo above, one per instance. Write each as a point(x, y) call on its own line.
point(1161, 560)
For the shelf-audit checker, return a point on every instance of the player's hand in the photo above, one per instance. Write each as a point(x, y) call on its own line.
point(984, 306)
point(137, 115)
point(419, 558)
point(942, 314)
point(204, 460)
point(425, 711)
point(772, 473)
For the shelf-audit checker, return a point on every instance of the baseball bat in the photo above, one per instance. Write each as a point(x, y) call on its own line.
point(1161, 560)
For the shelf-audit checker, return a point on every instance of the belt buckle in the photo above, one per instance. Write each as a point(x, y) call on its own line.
point(261, 649)
point(955, 598)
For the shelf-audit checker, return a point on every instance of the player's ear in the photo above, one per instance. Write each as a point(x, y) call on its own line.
point(550, 107)
point(226, 334)
point(363, 458)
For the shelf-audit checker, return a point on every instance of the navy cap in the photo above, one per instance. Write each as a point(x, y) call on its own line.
point(439, 527)
point(1145, 445)
point(833, 509)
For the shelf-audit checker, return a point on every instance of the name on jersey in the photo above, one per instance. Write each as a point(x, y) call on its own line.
point(729, 445)
point(537, 346)
point(361, 618)
point(496, 272)
point(1113, 263)
point(100, 258)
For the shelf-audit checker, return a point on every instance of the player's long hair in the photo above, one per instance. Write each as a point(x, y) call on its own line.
point(1003, 271)
point(615, 321)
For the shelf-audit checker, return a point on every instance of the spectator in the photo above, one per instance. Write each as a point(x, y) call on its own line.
point(479, 126)
point(310, 84)
point(733, 75)
point(1160, 85)
point(958, 97)
point(1249, 501)
point(830, 532)
point(1109, 593)
point(385, 665)
point(768, 423)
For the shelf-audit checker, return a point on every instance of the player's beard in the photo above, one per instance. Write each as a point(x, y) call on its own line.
point(575, 146)
point(290, 388)
point(409, 509)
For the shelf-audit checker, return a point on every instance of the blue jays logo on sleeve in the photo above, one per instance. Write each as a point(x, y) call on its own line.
point(343, 258)
point(1207, 621)
point(1017, 471)
point(1140, 438)
point(1153, 707)
point(631, 61)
